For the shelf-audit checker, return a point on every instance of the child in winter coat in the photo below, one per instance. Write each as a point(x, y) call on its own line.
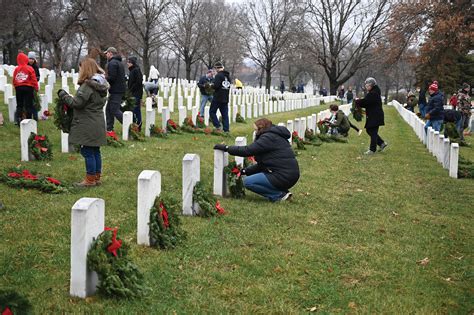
point(25, 83)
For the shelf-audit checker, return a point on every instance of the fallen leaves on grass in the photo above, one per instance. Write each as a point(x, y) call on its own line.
point(313, 222)
point(359, 190)
point(313, 309)
point(72, 158)
point(395, 214)
point(352, 305)
point(423, 262)
point(305, 194)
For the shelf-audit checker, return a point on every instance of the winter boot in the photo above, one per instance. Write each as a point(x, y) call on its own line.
point(89, 181)
point(97, 179)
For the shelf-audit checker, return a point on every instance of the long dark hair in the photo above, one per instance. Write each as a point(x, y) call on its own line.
point(263, 124)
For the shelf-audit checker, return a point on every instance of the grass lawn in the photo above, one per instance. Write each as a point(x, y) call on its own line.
point(348, 242)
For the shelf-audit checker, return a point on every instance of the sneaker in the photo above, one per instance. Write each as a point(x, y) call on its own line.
point(287, 196)
point(369, 152)
point(383, 146)
point(359, 132)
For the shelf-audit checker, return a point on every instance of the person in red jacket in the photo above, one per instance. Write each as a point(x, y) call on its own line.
point(25, 83)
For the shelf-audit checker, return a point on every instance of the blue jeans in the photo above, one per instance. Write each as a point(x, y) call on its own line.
point(224, 109)
point(422, 107)
point(93, 159)
point(204, 99)
point(435, 124)
point(137, 114)
point(259, 184)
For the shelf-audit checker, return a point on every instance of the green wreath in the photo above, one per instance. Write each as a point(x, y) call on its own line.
point(135, 133)
point(165, 229)
point(20, 177)
point(208, 204)
point(172, 127)
point(239, 118)
point(36, 101)
point(113, 140)
point(299, 142)
point(234, 180)
point(40, 147)
point(12, 302)
point(200, 122)
point(63, 115)
point(119, 277)
point(157, 132)
point(465, 168)
point(128, 102)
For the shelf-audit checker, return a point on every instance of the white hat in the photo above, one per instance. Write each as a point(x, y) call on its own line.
point(32, 55)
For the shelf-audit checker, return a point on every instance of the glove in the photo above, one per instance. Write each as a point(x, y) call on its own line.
point(243, 172)
point(427, 116)
point(62, 93)
point(221, 147)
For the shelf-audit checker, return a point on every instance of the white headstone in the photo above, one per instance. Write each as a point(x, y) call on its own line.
point(65, 148)
point(242, 111)
point(159, 104)
point(11, 108)
point(182, 115)
point(453, 160)
point(150, 119)
point(289, 126)
point(206, 115)
point(191, 175)
point(446, 152)
point(194, 114)
point(3, 81)
point(87, 222)
point(48, 90)
point(148, 104)
point(44, 103)
point(27, 126)
point(126, 123)
point(240, 141)
point(165, 116)
point(149, 187)
point(189, 102)
point(8, 93)
point(221, 160)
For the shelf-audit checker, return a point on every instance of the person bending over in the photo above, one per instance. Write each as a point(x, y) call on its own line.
point(276, 170)
point(340, 123)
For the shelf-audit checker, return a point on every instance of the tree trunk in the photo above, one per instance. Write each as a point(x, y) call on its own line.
point(58, 62)
point(146, 60)
point(188, 68)
point(262, 70)
point(179, 66)
point(268, 79)
point(333, 85)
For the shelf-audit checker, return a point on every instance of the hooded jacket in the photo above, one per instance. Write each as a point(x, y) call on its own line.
point(24, 74)
point(222, 87)
point(373, 108)
point(88, 124)
point(274, 156)
point(435, 106)
point(116, 75)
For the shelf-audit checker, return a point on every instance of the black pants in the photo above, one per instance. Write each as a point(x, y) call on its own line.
point(24, 103)
point(374, 138)
point(113, 110)
point(353, 126)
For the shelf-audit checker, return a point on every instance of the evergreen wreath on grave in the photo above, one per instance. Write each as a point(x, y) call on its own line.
point(11, 302)
point(209, 88)
point(312, 138)
point(62, 115)
point(452, 132)
point(234, 180)
point(323, 127)
point(239, 118)
point(208, 204)
point(157, 132)
point(188, 125)
point(325, 137)
point(20, 177)
point(135, 133)
point(165, 229)
point(128, 102)
point(200, 122)
point(46, 114)
point(299, 142)
point(465, 168)
point(119, 277)
point(357, 111)
point(172, 127)
point(113, 140)
point(40, 147)
point(36, 101)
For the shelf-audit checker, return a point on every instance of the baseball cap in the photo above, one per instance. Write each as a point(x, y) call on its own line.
point(112, 50)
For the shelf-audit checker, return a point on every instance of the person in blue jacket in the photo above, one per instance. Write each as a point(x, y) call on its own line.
point(434, 109)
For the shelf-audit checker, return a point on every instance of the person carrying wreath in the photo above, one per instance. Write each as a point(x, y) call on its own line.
point(88, 124)
point(276, 170)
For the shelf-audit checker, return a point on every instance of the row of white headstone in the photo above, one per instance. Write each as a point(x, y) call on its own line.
point(446, 153)
point(88, 214)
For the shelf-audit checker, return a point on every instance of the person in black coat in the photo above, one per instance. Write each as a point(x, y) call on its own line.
point(276, 170)
point(374, 114)
point(220, 100)
point(135, 87)
point(116, 79)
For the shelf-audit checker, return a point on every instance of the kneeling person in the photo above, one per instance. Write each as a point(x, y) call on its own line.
point(277, 169)
point(340, 122)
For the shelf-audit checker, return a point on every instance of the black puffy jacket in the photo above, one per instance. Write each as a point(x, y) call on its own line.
point(274, 156)
point(116, 75)
point(373, 108)
point(222, 87)
point(135, 81)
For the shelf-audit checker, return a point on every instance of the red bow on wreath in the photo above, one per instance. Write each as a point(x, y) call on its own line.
point(236, 171)
point(40, 138)
point(115, 244)
point(53, 180)
point(164, 215)
point(7, 311)
point(219, 208)
point(26, 174)
point(42, 149)
point(112, 134)
point(14, 175)
point(172, 124)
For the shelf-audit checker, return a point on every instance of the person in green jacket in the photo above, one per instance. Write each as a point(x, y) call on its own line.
point(88, 124)
point(340, 123)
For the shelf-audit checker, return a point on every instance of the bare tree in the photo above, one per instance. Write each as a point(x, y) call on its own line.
point(184, 31)
point(269, 27)
point(143, 22)
point(52, 20)
point(343, 30)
